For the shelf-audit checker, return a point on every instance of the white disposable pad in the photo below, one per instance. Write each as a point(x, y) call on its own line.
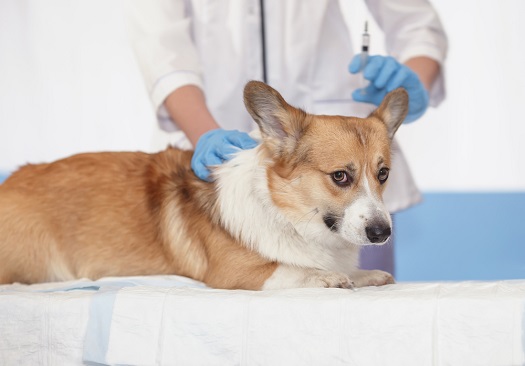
point(170, 320)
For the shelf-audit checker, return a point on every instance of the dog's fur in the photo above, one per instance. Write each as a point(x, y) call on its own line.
point(292, 212)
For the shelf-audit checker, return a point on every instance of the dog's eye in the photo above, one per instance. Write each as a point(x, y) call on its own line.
point(341, 178)
point(383, 175)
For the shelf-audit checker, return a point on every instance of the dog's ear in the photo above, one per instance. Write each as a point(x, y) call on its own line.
point(393, 110)
point(281, 124)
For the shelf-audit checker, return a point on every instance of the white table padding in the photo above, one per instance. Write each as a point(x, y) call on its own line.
point(176, 321)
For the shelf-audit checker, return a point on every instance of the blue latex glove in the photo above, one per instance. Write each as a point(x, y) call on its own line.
point(386, 74)
point(216, 147)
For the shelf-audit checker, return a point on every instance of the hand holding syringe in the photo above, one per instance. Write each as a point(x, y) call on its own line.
point(384, 74)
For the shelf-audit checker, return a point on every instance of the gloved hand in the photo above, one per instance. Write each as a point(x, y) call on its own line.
point(386, 74)
point(216, 147)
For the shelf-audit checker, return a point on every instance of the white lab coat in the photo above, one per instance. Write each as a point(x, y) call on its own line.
point(217, 45)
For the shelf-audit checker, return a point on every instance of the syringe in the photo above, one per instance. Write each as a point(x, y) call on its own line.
point(365, 43)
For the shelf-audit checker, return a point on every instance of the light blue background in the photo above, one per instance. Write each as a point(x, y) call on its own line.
point(462, 236)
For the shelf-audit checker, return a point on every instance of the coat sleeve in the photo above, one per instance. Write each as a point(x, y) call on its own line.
point(160, 36)
point(413, 28)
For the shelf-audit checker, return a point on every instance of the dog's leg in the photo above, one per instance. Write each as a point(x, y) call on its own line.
point(24, 240)
point(375, 277)
point(286, 276)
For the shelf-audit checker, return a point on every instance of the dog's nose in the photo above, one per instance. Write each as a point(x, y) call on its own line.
point(378, 233)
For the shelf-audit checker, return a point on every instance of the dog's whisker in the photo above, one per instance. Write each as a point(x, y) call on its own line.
point(315, 211)
point(284, 185)
point(308, 223)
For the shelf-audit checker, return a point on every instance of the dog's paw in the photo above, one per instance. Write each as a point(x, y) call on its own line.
point(286, 276)
point(318, 278)
point(373, 278)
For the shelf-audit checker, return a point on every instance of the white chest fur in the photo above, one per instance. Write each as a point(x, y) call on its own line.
point(249, 214)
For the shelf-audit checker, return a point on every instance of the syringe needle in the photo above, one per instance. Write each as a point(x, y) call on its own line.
point(365, 43)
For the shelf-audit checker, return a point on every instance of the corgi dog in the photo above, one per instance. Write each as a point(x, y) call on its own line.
point(292, 212)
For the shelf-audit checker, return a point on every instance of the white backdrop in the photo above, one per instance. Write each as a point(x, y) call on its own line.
point(68, 83)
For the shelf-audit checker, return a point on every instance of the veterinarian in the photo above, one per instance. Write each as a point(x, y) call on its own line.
point(197, 55)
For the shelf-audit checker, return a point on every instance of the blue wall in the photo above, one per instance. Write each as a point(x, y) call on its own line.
point(453, 236)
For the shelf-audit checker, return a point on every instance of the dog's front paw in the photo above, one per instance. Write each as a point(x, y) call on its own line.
point(372, 278)
point(286, 276)
point(319, 278)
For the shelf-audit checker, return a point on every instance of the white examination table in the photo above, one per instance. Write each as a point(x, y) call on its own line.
point(171, 320)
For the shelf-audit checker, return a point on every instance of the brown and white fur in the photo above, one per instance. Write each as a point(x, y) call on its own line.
point(292, 212)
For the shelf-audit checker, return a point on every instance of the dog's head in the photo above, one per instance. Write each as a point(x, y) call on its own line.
point(327, 174)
